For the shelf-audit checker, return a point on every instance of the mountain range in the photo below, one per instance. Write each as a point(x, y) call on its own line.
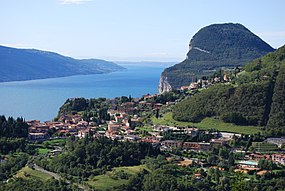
point(29, 64)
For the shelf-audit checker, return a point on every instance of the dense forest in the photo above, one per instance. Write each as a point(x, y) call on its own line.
point(12, 134)
point(15, 163)
point(277, 112)
point(94, 156)
point(28, 64)
point(255, 97)
point(14, 128)
point(18, 184)
point(95, 108)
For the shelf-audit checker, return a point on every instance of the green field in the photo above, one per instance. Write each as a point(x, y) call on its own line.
point(206, 124)
point(106, 181)
point(145, 128)
point(42, 150)
point(55, 141)
point(264, 147)
point(27, 172)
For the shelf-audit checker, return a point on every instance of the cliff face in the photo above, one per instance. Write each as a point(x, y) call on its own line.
point(212, 47)
point(163, 85)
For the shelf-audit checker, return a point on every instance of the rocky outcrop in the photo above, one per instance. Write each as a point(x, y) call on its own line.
point(163, 85)
point(211, 48)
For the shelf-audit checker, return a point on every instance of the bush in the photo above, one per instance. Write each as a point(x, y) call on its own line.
point(234, 117)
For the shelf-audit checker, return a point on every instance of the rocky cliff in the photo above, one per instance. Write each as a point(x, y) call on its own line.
point(163, 85)
point(212, 47)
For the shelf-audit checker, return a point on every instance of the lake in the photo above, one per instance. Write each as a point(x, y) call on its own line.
point(41, 99)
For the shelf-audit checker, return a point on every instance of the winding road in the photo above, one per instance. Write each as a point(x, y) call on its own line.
point(58, 177)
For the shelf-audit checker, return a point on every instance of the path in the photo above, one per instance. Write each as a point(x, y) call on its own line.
point(57, 177)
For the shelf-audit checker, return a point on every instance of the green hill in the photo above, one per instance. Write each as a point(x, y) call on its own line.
point(256, 98)
point(213, 47)
point(29, 64)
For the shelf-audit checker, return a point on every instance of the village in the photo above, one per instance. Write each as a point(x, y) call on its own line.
point(128, 123)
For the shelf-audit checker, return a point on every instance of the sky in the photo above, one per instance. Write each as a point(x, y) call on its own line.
point(130, 30)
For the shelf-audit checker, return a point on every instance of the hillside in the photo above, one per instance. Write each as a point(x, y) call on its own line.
point(29, 64)
point(213, 47)
point(256, 97)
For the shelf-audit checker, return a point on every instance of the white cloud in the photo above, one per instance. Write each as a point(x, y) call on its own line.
point(73, 1)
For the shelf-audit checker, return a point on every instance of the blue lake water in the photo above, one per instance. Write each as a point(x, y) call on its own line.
point(41, 99)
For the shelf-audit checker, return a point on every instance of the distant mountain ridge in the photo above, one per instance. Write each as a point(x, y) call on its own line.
point(29, 64)
point(213, 47)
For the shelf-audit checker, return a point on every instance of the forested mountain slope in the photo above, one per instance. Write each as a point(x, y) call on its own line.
point(255, 97)
point(29, 64)
point(213, 47)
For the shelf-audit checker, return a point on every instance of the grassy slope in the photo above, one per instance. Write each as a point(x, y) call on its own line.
point(55, 141)
point(105, 182)
point(207, 123)
point(27, 172)
point(43, 150)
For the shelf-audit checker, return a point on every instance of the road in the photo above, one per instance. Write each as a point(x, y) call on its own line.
point(38, 168)
point(58, 177)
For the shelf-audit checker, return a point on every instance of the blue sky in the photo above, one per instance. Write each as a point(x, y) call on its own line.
point(134, 30)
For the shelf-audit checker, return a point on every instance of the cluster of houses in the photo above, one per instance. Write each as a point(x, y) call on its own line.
point(250, 164)
point(205, 83)
point(125, 117)
point(220, 139)
point(67, 125)
point(120, 125)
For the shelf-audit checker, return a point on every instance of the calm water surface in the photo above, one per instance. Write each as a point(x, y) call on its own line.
point(41, 99)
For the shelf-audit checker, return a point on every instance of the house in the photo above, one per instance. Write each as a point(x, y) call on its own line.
point(184, 88)
point(254, 156)
point(55, 152)
point(118, 118)
point(170, 103)
point(131, 138)
point(277, 141)
point(217, 79)
point(280, 158)
point(172, 143)
point(214, 142)
point(193, 85)
point(228, 136)
point(150, 139)
point(226, 78)
point(191, 131)
point(113, 126)
point(198, 176)
point(205, 146)
point(191, 146)
point(161, 128)
point(83, 133)
point(197, 146)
